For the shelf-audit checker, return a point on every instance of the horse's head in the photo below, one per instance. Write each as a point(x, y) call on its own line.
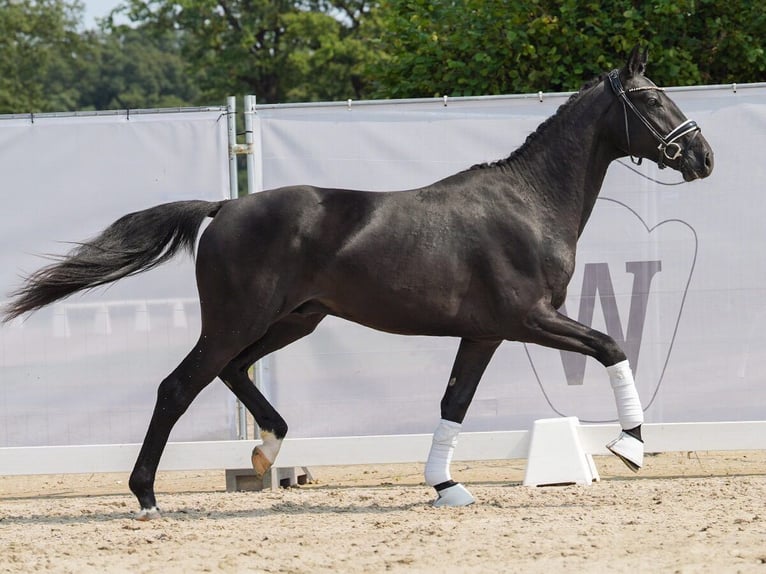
point(654, 127)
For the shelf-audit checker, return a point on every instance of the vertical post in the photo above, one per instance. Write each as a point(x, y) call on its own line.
point(231, 116)
point(254, 184)
point(249, 141)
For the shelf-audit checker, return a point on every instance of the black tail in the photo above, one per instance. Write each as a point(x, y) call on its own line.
point(134, 243)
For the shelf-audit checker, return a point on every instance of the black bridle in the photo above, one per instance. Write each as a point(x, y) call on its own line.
point(669, 147)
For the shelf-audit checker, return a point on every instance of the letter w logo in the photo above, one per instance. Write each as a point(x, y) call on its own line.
point(596, 278)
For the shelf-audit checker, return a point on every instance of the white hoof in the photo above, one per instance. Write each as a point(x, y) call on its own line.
point(147, 514)
point(629, 449)
point(455, 495)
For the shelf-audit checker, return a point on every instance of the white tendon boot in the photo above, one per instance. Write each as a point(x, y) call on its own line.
point(450, 493)
point(630, 414)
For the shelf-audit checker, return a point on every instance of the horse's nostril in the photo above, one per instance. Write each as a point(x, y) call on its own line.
point(708, 161)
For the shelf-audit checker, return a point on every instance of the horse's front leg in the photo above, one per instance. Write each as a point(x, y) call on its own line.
point(629, 446)
point(550, 328)
point(471, 361)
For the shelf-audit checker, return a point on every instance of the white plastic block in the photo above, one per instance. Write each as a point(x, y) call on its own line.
point(556, 455)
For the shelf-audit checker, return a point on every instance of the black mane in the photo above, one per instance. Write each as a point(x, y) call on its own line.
point(542, 127)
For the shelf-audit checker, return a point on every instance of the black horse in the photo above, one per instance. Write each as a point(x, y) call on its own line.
point(484, 255)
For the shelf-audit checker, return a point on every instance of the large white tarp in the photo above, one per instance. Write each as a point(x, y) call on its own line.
point(85, 371)
point(674, 272)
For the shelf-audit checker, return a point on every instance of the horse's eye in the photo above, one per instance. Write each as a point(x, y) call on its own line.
point(653, 102)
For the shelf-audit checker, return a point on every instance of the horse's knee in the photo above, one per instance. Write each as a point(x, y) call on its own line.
point(454, 405)
point(608, 352)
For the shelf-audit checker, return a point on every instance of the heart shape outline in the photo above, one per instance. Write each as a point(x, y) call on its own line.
point(647, 404)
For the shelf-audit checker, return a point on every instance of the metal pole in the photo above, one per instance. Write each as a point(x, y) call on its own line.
point(249, 140)
point(253, 186)
point(231, 115)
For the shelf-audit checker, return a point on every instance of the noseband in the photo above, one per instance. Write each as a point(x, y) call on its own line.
point(669, 147)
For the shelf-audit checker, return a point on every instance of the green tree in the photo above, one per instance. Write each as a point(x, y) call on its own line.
point(195, 52)
point(49, 63)
point(725, 40)
point(279, 50)
point(39, 47)
point(473, 47)
point(127, 68)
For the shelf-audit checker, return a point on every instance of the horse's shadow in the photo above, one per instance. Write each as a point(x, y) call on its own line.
point(187, 514)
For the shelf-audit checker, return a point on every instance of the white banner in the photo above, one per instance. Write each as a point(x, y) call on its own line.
point(86, 370)
point(672, 272)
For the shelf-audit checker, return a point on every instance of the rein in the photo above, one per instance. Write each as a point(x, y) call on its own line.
point(669, 148)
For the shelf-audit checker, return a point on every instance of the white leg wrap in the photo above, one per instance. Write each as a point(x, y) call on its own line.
point(440, 456)
point(629, 411)
point(630, 414)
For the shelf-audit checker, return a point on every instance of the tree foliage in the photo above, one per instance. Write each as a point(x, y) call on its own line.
point(196, 52)
point(49, 63)
point(473, 47)
point(122, 70)
point(280, 50)
point(39, 44)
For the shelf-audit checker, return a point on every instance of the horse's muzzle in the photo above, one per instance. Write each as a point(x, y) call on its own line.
point(697, 162)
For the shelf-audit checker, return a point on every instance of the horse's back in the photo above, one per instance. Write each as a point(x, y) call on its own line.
point(290, 219)
point(279, 240)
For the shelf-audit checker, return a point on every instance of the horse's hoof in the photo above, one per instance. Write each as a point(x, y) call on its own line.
point(455, 495)
point(147, 514)
point(629, 449)
point(261, 464)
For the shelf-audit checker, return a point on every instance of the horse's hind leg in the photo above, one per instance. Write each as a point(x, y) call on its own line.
point(234, 375)
point(174, 396)
point(471, 361)
point(550, 328)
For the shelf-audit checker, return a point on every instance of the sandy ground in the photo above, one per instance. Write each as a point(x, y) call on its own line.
point(685, 512)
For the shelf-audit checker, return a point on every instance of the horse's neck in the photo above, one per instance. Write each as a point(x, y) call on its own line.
point(567, 162)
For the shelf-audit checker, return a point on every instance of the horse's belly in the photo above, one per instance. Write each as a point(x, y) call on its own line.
point(436, 313)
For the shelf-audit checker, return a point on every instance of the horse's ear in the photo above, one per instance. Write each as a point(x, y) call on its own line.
point(636, 65)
